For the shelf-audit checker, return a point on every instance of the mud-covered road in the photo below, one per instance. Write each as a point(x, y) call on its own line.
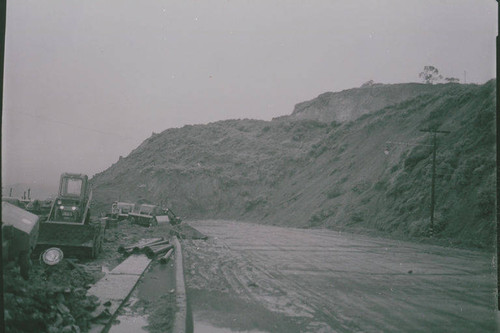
point(263, 278)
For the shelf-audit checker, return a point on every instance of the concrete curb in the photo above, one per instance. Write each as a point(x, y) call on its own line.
point(180, 291)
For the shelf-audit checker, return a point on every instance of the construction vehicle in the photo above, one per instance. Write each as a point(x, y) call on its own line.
point(120, 210)
point(20, 230)
point(68, 225)
point(151, 215)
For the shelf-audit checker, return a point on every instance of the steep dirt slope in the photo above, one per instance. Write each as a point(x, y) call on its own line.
point(350, 104)
point(353, 183)
point(316, 173)
point(220, 169)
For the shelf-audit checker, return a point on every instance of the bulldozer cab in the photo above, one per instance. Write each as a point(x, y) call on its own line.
point(71, 205)
point(73, 186)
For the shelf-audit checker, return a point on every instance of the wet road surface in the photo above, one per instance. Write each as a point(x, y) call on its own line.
point(298, 280)
point(150, 307)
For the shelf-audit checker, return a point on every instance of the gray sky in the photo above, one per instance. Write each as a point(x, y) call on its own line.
point(88, 81)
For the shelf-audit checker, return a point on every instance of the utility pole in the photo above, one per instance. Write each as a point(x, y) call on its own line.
point(433, 184)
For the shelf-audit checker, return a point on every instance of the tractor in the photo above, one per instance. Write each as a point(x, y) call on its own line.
point(68, 225)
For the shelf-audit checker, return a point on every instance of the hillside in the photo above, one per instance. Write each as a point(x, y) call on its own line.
point(316, 169)
point(350, 104)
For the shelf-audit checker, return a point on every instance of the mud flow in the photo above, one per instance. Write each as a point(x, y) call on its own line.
point(249, 277)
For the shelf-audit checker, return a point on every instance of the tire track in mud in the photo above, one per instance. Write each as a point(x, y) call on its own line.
point(278, 292)
point(274, 289)
point(323, 301)
point(319, 308)
point(330, 283)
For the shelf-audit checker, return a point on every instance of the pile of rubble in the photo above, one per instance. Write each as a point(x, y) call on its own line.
point(54, 299)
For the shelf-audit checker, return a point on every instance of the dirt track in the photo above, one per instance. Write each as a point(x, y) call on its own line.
point(286, 280)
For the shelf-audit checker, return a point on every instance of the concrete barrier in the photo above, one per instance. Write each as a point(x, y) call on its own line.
point(180, 288)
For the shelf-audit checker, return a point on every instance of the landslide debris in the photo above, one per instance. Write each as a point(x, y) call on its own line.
point(53, 300)
point(305, 170)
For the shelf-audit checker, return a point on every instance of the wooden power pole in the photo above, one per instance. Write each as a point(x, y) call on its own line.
point(433, 183)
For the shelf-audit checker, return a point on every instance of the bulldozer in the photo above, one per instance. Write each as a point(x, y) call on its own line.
point(68, 225)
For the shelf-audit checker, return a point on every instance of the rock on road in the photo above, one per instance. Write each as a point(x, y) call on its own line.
point(326, 281)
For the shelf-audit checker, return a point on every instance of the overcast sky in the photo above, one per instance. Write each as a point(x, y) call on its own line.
point(88, 81)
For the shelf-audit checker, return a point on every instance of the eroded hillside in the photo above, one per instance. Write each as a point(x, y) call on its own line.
point(310, 171)
point(350, 104)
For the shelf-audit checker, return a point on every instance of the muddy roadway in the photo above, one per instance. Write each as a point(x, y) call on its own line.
point(257, 278)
